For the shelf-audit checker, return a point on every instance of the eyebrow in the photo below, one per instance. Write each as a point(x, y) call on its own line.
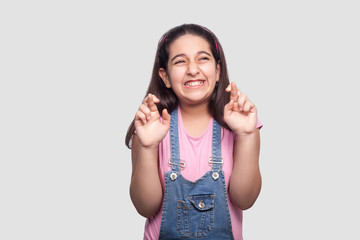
point(182, 54)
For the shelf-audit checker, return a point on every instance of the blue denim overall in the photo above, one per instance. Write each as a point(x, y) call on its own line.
point(195, 210)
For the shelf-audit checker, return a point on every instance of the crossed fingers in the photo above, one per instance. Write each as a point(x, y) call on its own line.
point(239, 100)
point(146, 108)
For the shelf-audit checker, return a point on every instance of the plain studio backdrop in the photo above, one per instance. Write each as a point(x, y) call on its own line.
point(73, 74)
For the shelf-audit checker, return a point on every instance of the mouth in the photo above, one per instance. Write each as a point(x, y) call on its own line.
point(194, 83)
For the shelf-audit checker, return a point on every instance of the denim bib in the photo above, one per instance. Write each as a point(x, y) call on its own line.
point(195, 210)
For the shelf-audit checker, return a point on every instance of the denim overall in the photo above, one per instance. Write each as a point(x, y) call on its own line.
point(195, 210)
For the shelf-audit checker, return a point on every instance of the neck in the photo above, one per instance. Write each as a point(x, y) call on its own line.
point(197, 111)
point(195, 118)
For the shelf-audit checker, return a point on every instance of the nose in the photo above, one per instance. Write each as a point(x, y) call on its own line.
point(193, 68)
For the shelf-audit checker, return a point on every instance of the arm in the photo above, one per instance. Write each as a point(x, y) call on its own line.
point(241, 116)
point(145, 186)
point(245, 182)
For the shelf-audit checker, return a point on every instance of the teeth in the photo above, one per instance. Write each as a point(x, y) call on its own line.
point(192, 84)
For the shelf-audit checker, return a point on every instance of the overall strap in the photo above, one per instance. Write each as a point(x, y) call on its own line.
point(174, 160)
point(216, 159)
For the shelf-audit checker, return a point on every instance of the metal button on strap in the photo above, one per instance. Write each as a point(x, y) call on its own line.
point(173, 176)
point(201, 204)
point(215, 175)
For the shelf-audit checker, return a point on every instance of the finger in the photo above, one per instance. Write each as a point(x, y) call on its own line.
point(253, 108)
point(233, 86)
point(166, 117)
point(233, 93)
point(146, 99)
point(140, 116)
point(236, 107)
point(229, 106)
point(155, 98)
point(228, 88)
point(242, 99)
point(247, 106)
point(151, 100)
point(145, 110)
point(151, 97)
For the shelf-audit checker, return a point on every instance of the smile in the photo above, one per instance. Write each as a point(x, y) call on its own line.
point(194, 83)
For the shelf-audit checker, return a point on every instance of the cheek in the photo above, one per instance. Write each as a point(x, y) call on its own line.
point(176, 75)
point(210, 71)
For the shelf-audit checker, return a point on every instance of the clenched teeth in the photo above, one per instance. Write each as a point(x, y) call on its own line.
point(195, 83)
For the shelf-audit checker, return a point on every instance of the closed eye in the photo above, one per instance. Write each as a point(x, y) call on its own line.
point(204, 58)
point(180, 61)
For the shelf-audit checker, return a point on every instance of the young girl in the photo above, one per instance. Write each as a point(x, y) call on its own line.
point(195, 143)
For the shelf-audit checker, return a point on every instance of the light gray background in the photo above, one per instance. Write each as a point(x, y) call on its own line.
point(74, 72)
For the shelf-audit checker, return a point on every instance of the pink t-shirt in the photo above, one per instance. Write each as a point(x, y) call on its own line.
point(195, 151)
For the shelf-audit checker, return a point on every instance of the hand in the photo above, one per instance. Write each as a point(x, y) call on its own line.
point(240, 113)
point(149, 128)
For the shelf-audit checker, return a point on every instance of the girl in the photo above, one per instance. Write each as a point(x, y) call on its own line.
point(195, 143)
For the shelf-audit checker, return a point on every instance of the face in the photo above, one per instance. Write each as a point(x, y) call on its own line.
point(192, 70)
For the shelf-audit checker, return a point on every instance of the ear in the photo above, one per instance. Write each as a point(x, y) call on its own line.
point(165, 77)
point(218, 69)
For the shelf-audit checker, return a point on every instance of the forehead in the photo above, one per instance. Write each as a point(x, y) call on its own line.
point(189, 44)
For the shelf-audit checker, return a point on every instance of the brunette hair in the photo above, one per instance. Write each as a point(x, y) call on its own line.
point(167, 97)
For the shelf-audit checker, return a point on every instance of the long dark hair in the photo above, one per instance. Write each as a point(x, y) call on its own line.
point(167, 97)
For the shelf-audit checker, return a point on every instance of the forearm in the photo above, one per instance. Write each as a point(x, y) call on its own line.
point(245, 181)
point(145, 187)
